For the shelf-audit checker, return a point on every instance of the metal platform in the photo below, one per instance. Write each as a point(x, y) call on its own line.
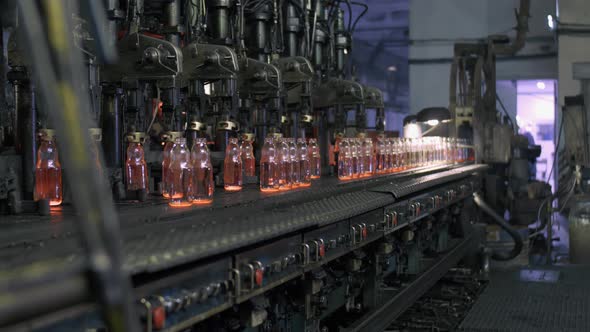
point(158, 237)
point(547, 299)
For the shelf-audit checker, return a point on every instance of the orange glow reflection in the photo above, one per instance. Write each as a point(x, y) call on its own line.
point(202, 202)
point(178, 204)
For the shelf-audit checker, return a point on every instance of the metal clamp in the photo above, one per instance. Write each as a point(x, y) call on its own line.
point(387, 217)
point(353, 235)
point(238, 282)
point(413, 210)
point(360, 234)
point(148, 315)
point(317, 250)
point(305, 259)
point(252, 276)
point(433, 201)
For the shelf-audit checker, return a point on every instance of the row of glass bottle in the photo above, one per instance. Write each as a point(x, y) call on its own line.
point(187, 176)
point(284, 164)
point(361, 157)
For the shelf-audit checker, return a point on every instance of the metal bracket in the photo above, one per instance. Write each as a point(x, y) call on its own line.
point(148, 315)
point(306, 251)
point(238, 281)
point(252, 276)
point(353, 235)
point(317, 250)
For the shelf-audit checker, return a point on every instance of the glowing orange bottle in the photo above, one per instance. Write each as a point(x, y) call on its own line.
point(232, 167)
point(285, 166)
point(344, 160)
point(295, 173)
point(381, 158)
point(304, 163)
point(314, 158)
point(165, 164)
point(136, 174)
point(48, 183)
point(269, 164)
point(179, 174)
point(169, 139)
point(368, 161)
point(248, 159)
point(202, 173)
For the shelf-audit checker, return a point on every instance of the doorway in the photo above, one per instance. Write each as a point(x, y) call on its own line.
point(535, 100)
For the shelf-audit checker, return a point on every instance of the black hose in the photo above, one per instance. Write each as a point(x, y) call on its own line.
point(518, 244)
point(349, 15)
point(366, 8)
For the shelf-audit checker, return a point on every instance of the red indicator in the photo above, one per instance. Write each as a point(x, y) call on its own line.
point(258, 276)
point(158, 318)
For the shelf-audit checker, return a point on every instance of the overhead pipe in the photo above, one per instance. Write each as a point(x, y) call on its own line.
point(522, 27)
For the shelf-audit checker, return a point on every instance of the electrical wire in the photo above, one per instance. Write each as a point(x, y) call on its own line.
point(365, 10)
point(349, 15)
point(505, 112)
point(155, 111)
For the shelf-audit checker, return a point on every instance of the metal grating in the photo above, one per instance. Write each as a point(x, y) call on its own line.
point(511, 303)
point(404, 188)
point(158, 244)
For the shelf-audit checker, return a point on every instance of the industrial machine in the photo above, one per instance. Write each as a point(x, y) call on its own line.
point(115, 246)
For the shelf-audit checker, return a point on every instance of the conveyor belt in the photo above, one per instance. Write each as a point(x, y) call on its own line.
point(401, 189)
point(156, 236)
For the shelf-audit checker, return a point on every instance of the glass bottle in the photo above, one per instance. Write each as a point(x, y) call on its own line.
point(285, 166)
point(232, 167)
point(457, 150)
point(296, 167)
point(180, 174)
point(48, 179)
point(315, 159)
point(381, 156)
point(165, 164)
point(439, 150)
point(449, 151)
point(201, 186)
point(304, 163)
point(248, 159)
point(367, 157)
point(344, 160)
point(389, 157)
point(136, 174)
point(269, 164)
point(407, 153)
point(355, 158)
point(395, 155)
point(401, 154)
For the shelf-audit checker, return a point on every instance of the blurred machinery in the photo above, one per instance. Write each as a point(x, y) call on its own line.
point(573, 165)
point(113, 82)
